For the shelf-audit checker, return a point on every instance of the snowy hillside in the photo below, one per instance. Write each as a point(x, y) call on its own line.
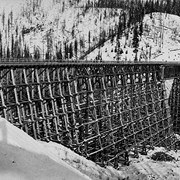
point(71, 30)
point(162, 35)
point(54, 29)
point(160, 41)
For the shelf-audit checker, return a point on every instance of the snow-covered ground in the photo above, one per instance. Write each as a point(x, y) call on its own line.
point(23, 158)
point(55, 25)
point(160, 41)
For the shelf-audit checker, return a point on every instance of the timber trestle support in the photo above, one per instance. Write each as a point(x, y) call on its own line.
point(98, 111)
point(174, 102)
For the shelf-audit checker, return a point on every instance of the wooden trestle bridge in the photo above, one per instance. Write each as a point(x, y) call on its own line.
point(97, 109)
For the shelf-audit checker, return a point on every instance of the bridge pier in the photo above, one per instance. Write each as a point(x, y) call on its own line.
point(99, 111)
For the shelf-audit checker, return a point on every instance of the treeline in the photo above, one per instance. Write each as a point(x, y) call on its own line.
point(137, 7)
point(12, 36)
point(133, 12)
point(12, 44)
point(148, 6)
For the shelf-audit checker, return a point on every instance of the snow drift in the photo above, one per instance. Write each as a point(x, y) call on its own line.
point(21, 157)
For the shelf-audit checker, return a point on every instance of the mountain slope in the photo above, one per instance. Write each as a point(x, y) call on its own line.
point(160, 41)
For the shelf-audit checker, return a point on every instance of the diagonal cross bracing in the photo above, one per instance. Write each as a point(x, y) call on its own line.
point(98, 111)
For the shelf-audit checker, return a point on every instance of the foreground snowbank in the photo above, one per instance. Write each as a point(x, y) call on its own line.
point(82, 164)
point(21, 157)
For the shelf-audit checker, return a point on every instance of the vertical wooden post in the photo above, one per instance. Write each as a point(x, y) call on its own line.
point(65, 123)
point(73, 119)
point(16, 97)
point(54, 118)
point(3, 102)
point(29, 103)
point(42, 106)
point(91, 95)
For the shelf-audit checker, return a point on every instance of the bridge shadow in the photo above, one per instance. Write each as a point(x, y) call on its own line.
point(3, 130)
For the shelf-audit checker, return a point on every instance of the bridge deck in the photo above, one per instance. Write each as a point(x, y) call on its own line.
point(171, 70)
point(34, 62)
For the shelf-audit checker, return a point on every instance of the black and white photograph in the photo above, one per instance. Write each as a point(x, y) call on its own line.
point(89, 89)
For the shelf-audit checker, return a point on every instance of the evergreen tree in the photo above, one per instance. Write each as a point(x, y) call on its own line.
point(168, 6)
point(1, 53)
point(70, 51)
point(11, 16)
point(36, 54)
point(119, 33)
point(12, 46)
point(0, 38)
point(141, 29)
point(16, 49)
point(8, 52)
point(16, 31)
point(47, 55)
point(124, 20)
point(63, 6)
point(81, 42)
point(135, 42)
point(105, 14)
point(9, 26)
point(59, 54)
point(75, 47)
point(174, 7)
point(89, 39)
point(0, 45)
point(157, 6)
point(26, 52)
point(3, 19)
point(66, 50)
point(19, 52)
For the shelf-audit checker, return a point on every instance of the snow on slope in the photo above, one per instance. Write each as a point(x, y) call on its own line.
point(82, 164)
point(165, 45)
point(52, 25)
point(22, 156)
point(160, 41)
point(159, 170)
point(142, 168)
point(83, 26)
